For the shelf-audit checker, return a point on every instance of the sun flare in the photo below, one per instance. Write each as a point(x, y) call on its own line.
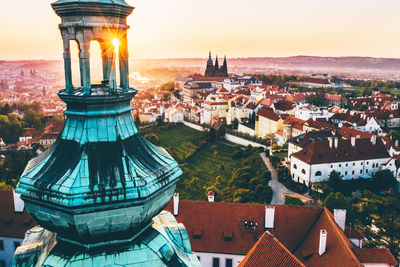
point(115, 42)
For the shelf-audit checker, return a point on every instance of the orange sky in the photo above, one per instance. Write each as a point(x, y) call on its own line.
point(189, 28)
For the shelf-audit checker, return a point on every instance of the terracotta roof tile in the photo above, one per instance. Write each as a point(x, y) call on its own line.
point(375, 255)
point(215, 217)
point(338, 247)
point(13, 224)
point(268, 251)
point(269, 114)
point(321, 152)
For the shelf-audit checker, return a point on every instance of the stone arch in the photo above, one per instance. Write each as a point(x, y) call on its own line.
point(96, 62)
point(76, 79)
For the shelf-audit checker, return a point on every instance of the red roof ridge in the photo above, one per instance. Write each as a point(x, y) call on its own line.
point(342, 236)
point(253, 259)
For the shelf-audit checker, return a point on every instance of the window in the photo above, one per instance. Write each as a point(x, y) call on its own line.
point(1, 245)
point(331, 166)
point(228, 263)
point(354, 164)
point(366, 171)
point(303, 171)
point(295, 166)
point(367, 163)
point(362, 163)
point(16, 244)
point(340, 165)
point(318, 173)
point(215, 262)
point(198, 257)
point(347, 164)
point(345, 173)
point(352, 172)
point(360, 171)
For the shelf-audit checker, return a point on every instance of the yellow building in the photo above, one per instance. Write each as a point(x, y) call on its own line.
point(267, 122)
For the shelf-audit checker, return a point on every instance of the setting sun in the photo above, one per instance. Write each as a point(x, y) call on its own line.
point(116, 44)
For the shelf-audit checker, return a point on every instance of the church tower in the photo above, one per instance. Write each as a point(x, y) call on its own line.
point(224, 68)
point(209, 68)
point(216, 68)
point(99, 192)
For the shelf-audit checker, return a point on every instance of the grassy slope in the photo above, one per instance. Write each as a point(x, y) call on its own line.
point(205, 164)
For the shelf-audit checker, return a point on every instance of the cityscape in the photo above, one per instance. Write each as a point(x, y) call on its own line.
point(199, 155)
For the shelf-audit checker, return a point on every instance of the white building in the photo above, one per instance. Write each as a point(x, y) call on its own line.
point(174, 115)
point(352, 158)
point(306, 112)
point(14, 222)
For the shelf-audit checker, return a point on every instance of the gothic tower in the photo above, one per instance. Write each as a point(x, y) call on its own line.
point(209, 68)
point(224, 68)
point(216, 68)
point(99, 191)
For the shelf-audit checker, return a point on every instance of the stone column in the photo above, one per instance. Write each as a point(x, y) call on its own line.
point(112, 73)
point(67, 66)
point(84, 65)
point(123, 62)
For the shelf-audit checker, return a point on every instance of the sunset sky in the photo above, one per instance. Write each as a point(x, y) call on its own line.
point(189, 28)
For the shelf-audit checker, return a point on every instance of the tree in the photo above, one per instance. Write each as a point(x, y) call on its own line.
point(365, 91)
point(338, 201)
point(293, 201)
point(177, 94)
point(334, 181)
point(168, 86)
point(166, 97)
point(381, 224)
point(383, 180)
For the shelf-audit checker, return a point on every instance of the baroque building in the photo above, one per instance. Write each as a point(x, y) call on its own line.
point(99, 192)
point(213, 70)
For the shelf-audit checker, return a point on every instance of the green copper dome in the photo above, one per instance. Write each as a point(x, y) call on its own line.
point(111, 2)
point(101, 180)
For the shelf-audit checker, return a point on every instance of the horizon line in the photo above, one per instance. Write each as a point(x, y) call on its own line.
point(197, 58)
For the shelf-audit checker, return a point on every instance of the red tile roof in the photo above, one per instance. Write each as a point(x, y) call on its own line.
point(312, 136)
point(338, 247)
point(268, 251)
point(269, 114)
point(321, 152)
point(333, 97)
point(213, 218)
point(375, 255)
point(348, 132)
point(295, 122)
point(13, 224)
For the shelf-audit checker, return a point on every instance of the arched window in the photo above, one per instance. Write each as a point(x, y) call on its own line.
point(318, 173)
point(96, 68)
point(303, 171)
point(75, 71)
point(295, 166)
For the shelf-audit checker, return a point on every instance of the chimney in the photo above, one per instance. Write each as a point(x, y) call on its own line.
point(18, 203)
point(211, 196)
point(396, 142)
point(323, 235)
point(176, 204)
point(330, 141)
point(269, 217)
point(353, 141)
point(336, 141)
point(340, 217)
point(373, 139)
